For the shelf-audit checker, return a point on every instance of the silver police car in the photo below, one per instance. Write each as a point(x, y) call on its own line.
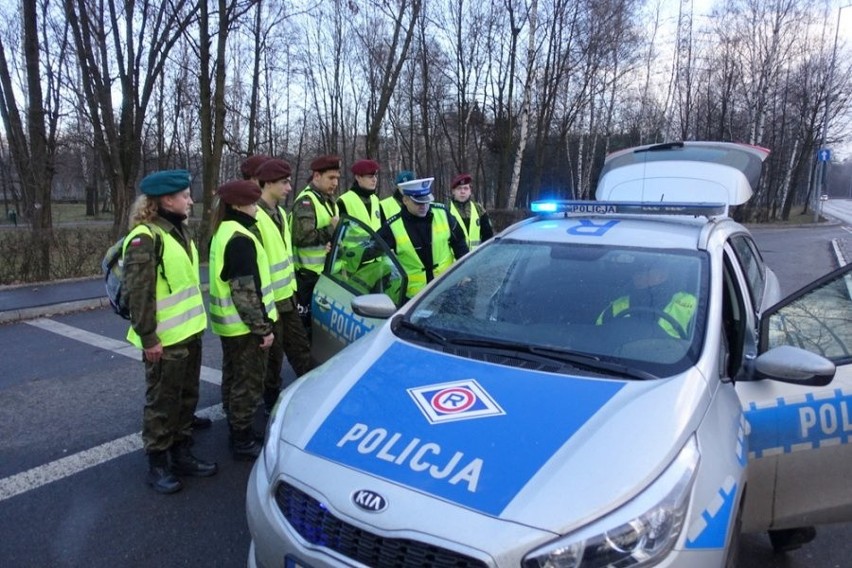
point(610, 383)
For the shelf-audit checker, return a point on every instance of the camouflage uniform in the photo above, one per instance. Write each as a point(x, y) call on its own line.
point(243, 361)
point(306, 234)
point(290, 335)
point(172, 383)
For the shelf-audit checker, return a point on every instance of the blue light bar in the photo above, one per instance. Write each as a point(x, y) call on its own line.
point(630, 207)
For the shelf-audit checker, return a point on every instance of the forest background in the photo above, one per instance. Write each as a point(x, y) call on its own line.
point(527, 95)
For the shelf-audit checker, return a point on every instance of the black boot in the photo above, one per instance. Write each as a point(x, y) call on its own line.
point(184, 463)
point(159, 477)
point(201, 423)
point(244, 447)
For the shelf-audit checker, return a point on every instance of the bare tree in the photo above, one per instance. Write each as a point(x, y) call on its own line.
point(123, 48)
point(32, 131)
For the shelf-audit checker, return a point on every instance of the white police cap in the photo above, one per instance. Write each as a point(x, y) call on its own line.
point(419, 190)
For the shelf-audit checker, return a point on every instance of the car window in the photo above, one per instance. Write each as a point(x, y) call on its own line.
point(818, 319)
point(361, 262)
point(753, 267)
point(646, 307)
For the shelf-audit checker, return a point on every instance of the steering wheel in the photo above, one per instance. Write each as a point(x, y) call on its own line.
point(655, 312)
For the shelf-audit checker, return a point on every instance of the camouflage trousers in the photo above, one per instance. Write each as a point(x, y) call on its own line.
point(243, 371)
point(171, 395)
point(291, 340)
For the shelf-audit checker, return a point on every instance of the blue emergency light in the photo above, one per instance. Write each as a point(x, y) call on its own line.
point(561, 206)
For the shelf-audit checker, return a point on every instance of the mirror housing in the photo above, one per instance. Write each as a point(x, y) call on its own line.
point(793, 365)
point(373, 306)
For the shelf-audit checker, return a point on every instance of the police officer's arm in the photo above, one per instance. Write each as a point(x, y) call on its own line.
point(140, 279)
point(241, 272)
point(458, 242)
point(485, 229)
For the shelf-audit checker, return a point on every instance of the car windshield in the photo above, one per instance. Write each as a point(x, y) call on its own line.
point(633, 309)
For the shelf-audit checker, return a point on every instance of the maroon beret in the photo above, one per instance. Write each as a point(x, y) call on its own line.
point(460, 179)
point(324, 163)
point(365, 167)
point(273, 170)
point(250, 165)
point(239, 192)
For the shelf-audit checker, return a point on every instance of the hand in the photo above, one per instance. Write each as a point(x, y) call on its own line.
point(153, 354)
point(334, 221)
point(266, 342)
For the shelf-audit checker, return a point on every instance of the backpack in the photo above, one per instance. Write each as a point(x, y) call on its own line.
point(112, 266)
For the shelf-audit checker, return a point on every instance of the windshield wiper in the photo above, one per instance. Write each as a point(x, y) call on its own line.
point(581, 360)
point(431, 334)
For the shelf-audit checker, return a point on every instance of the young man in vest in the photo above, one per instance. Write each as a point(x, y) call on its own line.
point(242, 309)
point(471, 215)
point(360, 201)
point(167, 320)
point(314, 217)
point(392, 204)
point(273, 176)
point(426, 239)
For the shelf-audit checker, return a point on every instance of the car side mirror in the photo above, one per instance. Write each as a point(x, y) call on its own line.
point(373, 306)
point(793, 365)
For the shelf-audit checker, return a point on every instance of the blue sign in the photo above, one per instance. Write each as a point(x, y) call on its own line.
point(824, 155)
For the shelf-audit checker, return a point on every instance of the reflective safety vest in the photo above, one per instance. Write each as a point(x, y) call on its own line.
point(355, 208)
point(472, 234)
point(180, 306)
point(312, 257)
point(681, 308)
point(276, 244)
point(390, 206)
point(224, 317)
point(442, 254)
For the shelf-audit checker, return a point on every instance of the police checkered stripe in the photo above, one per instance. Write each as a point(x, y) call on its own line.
point(811, 403)
point(741, 441)
point(708, 517)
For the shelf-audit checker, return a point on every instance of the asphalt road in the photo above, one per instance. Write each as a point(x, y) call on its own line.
point(72, 489)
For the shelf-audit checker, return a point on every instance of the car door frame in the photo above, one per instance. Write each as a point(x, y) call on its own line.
point(799, 451)
point(334, 323)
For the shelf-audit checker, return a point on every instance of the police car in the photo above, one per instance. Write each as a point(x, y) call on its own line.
point(510, 416)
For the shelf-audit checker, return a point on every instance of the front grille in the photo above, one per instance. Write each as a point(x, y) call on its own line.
point(319, 527)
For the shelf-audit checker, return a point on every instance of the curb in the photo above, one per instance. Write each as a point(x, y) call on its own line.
point(12, 316)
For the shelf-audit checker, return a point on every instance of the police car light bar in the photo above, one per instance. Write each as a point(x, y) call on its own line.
point(634, 207)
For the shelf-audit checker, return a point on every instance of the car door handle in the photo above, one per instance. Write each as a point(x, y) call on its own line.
point(323, 304)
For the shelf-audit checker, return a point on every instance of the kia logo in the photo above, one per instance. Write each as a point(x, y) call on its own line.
point(369, 501)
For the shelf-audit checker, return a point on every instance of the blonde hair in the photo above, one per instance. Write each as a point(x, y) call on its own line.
point(143, 210)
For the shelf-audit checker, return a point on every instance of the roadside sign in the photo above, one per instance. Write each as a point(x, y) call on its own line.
point(824, 155)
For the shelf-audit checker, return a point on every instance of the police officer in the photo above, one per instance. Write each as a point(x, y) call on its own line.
point(360, 201)
point(393, 204)
point(425, 238)
point(273, 176)
point(315, 217)
point(242, 309)
point(652, 290)
point(471, 215)
point(167, 320)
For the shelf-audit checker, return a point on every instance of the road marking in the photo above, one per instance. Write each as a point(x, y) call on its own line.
point(81, 461)
point(208, 374)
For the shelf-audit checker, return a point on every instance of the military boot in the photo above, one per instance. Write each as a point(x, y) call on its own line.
point(184, 463)
point(244, 446)
point(159, 477)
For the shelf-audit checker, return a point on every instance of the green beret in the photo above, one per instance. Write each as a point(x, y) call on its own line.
point(165, 182)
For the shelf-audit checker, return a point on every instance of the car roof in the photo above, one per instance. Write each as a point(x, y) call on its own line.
point(692, 171)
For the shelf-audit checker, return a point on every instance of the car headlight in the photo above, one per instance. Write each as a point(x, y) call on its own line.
point(644, 539)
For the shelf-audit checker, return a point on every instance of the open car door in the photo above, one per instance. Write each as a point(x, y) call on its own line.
point(798, 436)
point(359, 263)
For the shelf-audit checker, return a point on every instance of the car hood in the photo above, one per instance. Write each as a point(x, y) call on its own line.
point(550, 451)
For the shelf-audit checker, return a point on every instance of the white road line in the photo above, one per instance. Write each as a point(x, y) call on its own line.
point(81, 461)
point(208, 374)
